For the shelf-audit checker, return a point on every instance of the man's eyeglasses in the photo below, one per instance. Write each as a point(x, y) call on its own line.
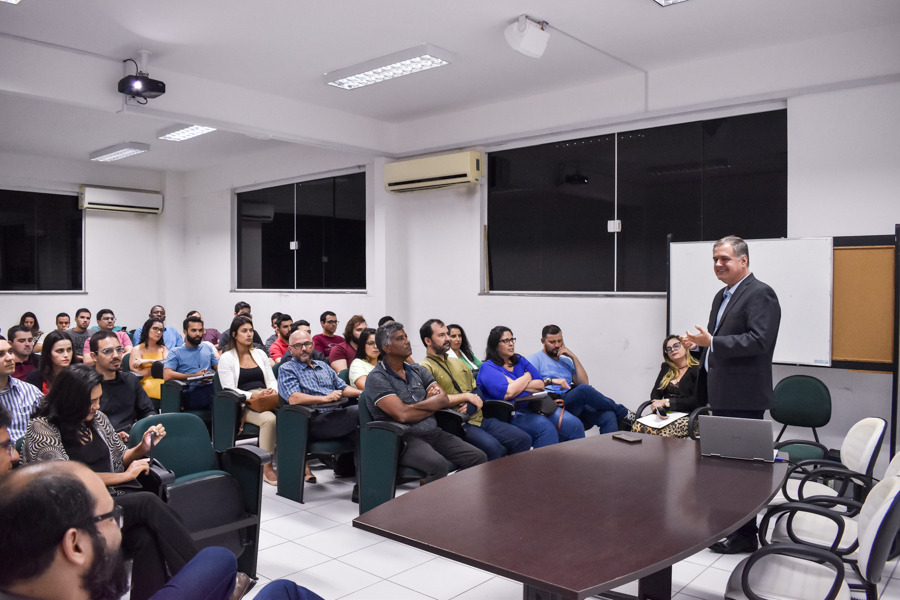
point(508, 341)
point(332, 322)
point(673, 347)
point(10, 446)
point(301, 345)
point(110, 319)
point(115, 514)
point(110, 351)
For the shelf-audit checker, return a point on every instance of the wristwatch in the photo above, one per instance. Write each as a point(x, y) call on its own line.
point(548, 381)
point(667, 403)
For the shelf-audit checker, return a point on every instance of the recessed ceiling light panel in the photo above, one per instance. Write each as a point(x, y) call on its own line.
point(181, 132)
point(398, 64)
point(119, 151)
point(10, 1)
point(668, 2)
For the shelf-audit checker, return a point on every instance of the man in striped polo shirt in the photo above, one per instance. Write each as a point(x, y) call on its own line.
point(18, 397)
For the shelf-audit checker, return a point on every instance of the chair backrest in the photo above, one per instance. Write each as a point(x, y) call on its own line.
point(275, 368)
point(344, 374)
point(879, 522)
point(186, 449)
point(365, 416)
point(893, 469)
point(126, 363)
point(217, 384)
point(861, 445)
point(801, 401)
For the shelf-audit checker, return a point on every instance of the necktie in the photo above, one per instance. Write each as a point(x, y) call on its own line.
point(727, 296)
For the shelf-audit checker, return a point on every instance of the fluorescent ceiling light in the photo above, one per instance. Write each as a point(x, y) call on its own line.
point(10, 1)
point(398, 64)
point(119, 151)
point(668, 2)
point(181, 132)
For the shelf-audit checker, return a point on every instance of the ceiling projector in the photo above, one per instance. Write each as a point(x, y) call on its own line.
point(141, 86)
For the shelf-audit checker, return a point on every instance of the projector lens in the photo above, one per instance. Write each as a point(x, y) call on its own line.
point(137, 85)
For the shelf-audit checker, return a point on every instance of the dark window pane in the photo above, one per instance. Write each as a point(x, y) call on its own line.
point(265, 231)
point(745, 176)
point(660, 180)
point(315, 231)
point(40, 242)
point(547, 211)
point(348, 256)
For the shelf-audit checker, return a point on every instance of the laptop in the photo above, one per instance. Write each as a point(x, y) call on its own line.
point(726, 437)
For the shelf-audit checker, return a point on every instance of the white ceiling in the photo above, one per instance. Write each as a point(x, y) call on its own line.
point(282, 47)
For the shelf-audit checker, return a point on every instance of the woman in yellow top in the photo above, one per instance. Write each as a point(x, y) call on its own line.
point(147, 352)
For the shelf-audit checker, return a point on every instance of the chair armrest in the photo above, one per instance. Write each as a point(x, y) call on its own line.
point(817, 445)
point(846, 477)
point(793, 508)
point(311, 410)
point(692, 420)
point(498, 409)
point(156, 479)
point(170, 396)
point(234, 395)
point(156, 369)
point(830, 501)
point(245, 464)
point(451, 421)
point(795, 551)
point(398, 428)
point(640, 409)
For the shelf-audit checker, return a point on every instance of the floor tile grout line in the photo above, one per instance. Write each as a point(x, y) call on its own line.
point(473, 587)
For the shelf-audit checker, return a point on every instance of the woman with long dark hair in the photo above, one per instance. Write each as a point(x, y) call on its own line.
point(57, 357)
point(461, 348)
point(68, 425)
point(29, 320)
point(367, 356)
point(149, 350)
point(675, 388)
point(505, 375)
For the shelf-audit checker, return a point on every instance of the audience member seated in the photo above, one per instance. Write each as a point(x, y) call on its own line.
point(310, 382)
point(283, 330)
point(271, 339)
point(563, 374)
point(8, 455)
point(194, 359)
point(345, 352)
point(455, 378)
point(407, 393)
point(148, 350)
point(68, 425)
point(17, 397)
point(62, 321)
point(385, 319)
point(326, 340)
point(210, 336)
point(57, 357)
point(59, 551)
point(675, 388)
point(366, 359)
point(80, 333)
point(22, 341)
point(461, 349)
point(106, 321)
point(171, 337)
point(241, 308)
point(247, 370)
point(303, 325)
point(124, 401)
point(30, 321)
point(505, 375)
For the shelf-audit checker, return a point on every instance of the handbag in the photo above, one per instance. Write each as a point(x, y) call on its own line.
point(263, 404)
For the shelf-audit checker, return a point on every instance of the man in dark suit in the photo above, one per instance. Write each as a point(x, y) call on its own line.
point(736, 358)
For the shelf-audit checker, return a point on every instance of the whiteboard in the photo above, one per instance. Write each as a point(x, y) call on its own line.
point(799, 270)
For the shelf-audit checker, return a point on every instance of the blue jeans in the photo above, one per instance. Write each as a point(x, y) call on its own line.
point(197, 396)
point(211, 576)
point(493, 436)
point(588, 404)
point(543, 429)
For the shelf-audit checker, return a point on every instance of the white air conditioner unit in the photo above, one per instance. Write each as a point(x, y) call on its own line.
point(433, 172)
point(260, 213)
point(104, 198)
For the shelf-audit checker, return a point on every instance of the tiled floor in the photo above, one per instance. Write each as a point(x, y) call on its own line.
point(315, 545)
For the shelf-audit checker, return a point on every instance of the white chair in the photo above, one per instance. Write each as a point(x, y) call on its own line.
point(799, 572)
point(859, 451)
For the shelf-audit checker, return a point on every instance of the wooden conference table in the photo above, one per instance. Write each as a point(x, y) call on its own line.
point(577, 519)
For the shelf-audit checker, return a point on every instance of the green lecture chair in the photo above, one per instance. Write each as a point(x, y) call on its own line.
point(218, 495)
point(801, 401)
point(170, 393)
point(126, 363)
point(345, 376)
point(227, 409)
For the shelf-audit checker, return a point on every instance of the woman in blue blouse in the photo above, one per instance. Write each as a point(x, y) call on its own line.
point(506, 375)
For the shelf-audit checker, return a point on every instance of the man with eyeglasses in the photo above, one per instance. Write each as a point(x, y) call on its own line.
point(327, 340)
point(171, 337)
point(8, 454)
point(124, 400)
point(194, 363)
point(22, 347)
point(17, 397)
point(106, 321)
point(564, 375)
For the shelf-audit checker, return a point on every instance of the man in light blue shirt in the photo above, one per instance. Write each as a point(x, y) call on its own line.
point(560, 369)
point(17, 397)
point(171, 337)
point(193, 359)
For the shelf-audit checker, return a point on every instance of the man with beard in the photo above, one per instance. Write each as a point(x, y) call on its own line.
point(193, 360)
point(564, 374)
point(80, 332)
point(171, 338)
point(283, 330)
point(343, 354)
point(62, 539)
point(124, 400)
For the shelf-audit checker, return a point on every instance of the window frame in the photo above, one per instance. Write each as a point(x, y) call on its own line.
point(233, 287)
point(608, 127)
point(64, 192)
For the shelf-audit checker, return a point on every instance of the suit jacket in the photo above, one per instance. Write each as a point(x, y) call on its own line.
point(740, 364)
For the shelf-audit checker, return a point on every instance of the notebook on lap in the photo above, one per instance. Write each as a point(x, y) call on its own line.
point(747, 439)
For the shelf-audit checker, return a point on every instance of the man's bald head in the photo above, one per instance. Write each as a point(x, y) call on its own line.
point(301, 346)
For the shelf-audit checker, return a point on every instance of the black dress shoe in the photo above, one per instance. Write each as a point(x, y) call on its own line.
point(735, 544)
point(354, 495)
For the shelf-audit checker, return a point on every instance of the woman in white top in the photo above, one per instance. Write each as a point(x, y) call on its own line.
point(247, 370)
point(366, 359)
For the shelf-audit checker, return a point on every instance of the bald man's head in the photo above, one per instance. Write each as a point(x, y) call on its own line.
point(301, 346)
